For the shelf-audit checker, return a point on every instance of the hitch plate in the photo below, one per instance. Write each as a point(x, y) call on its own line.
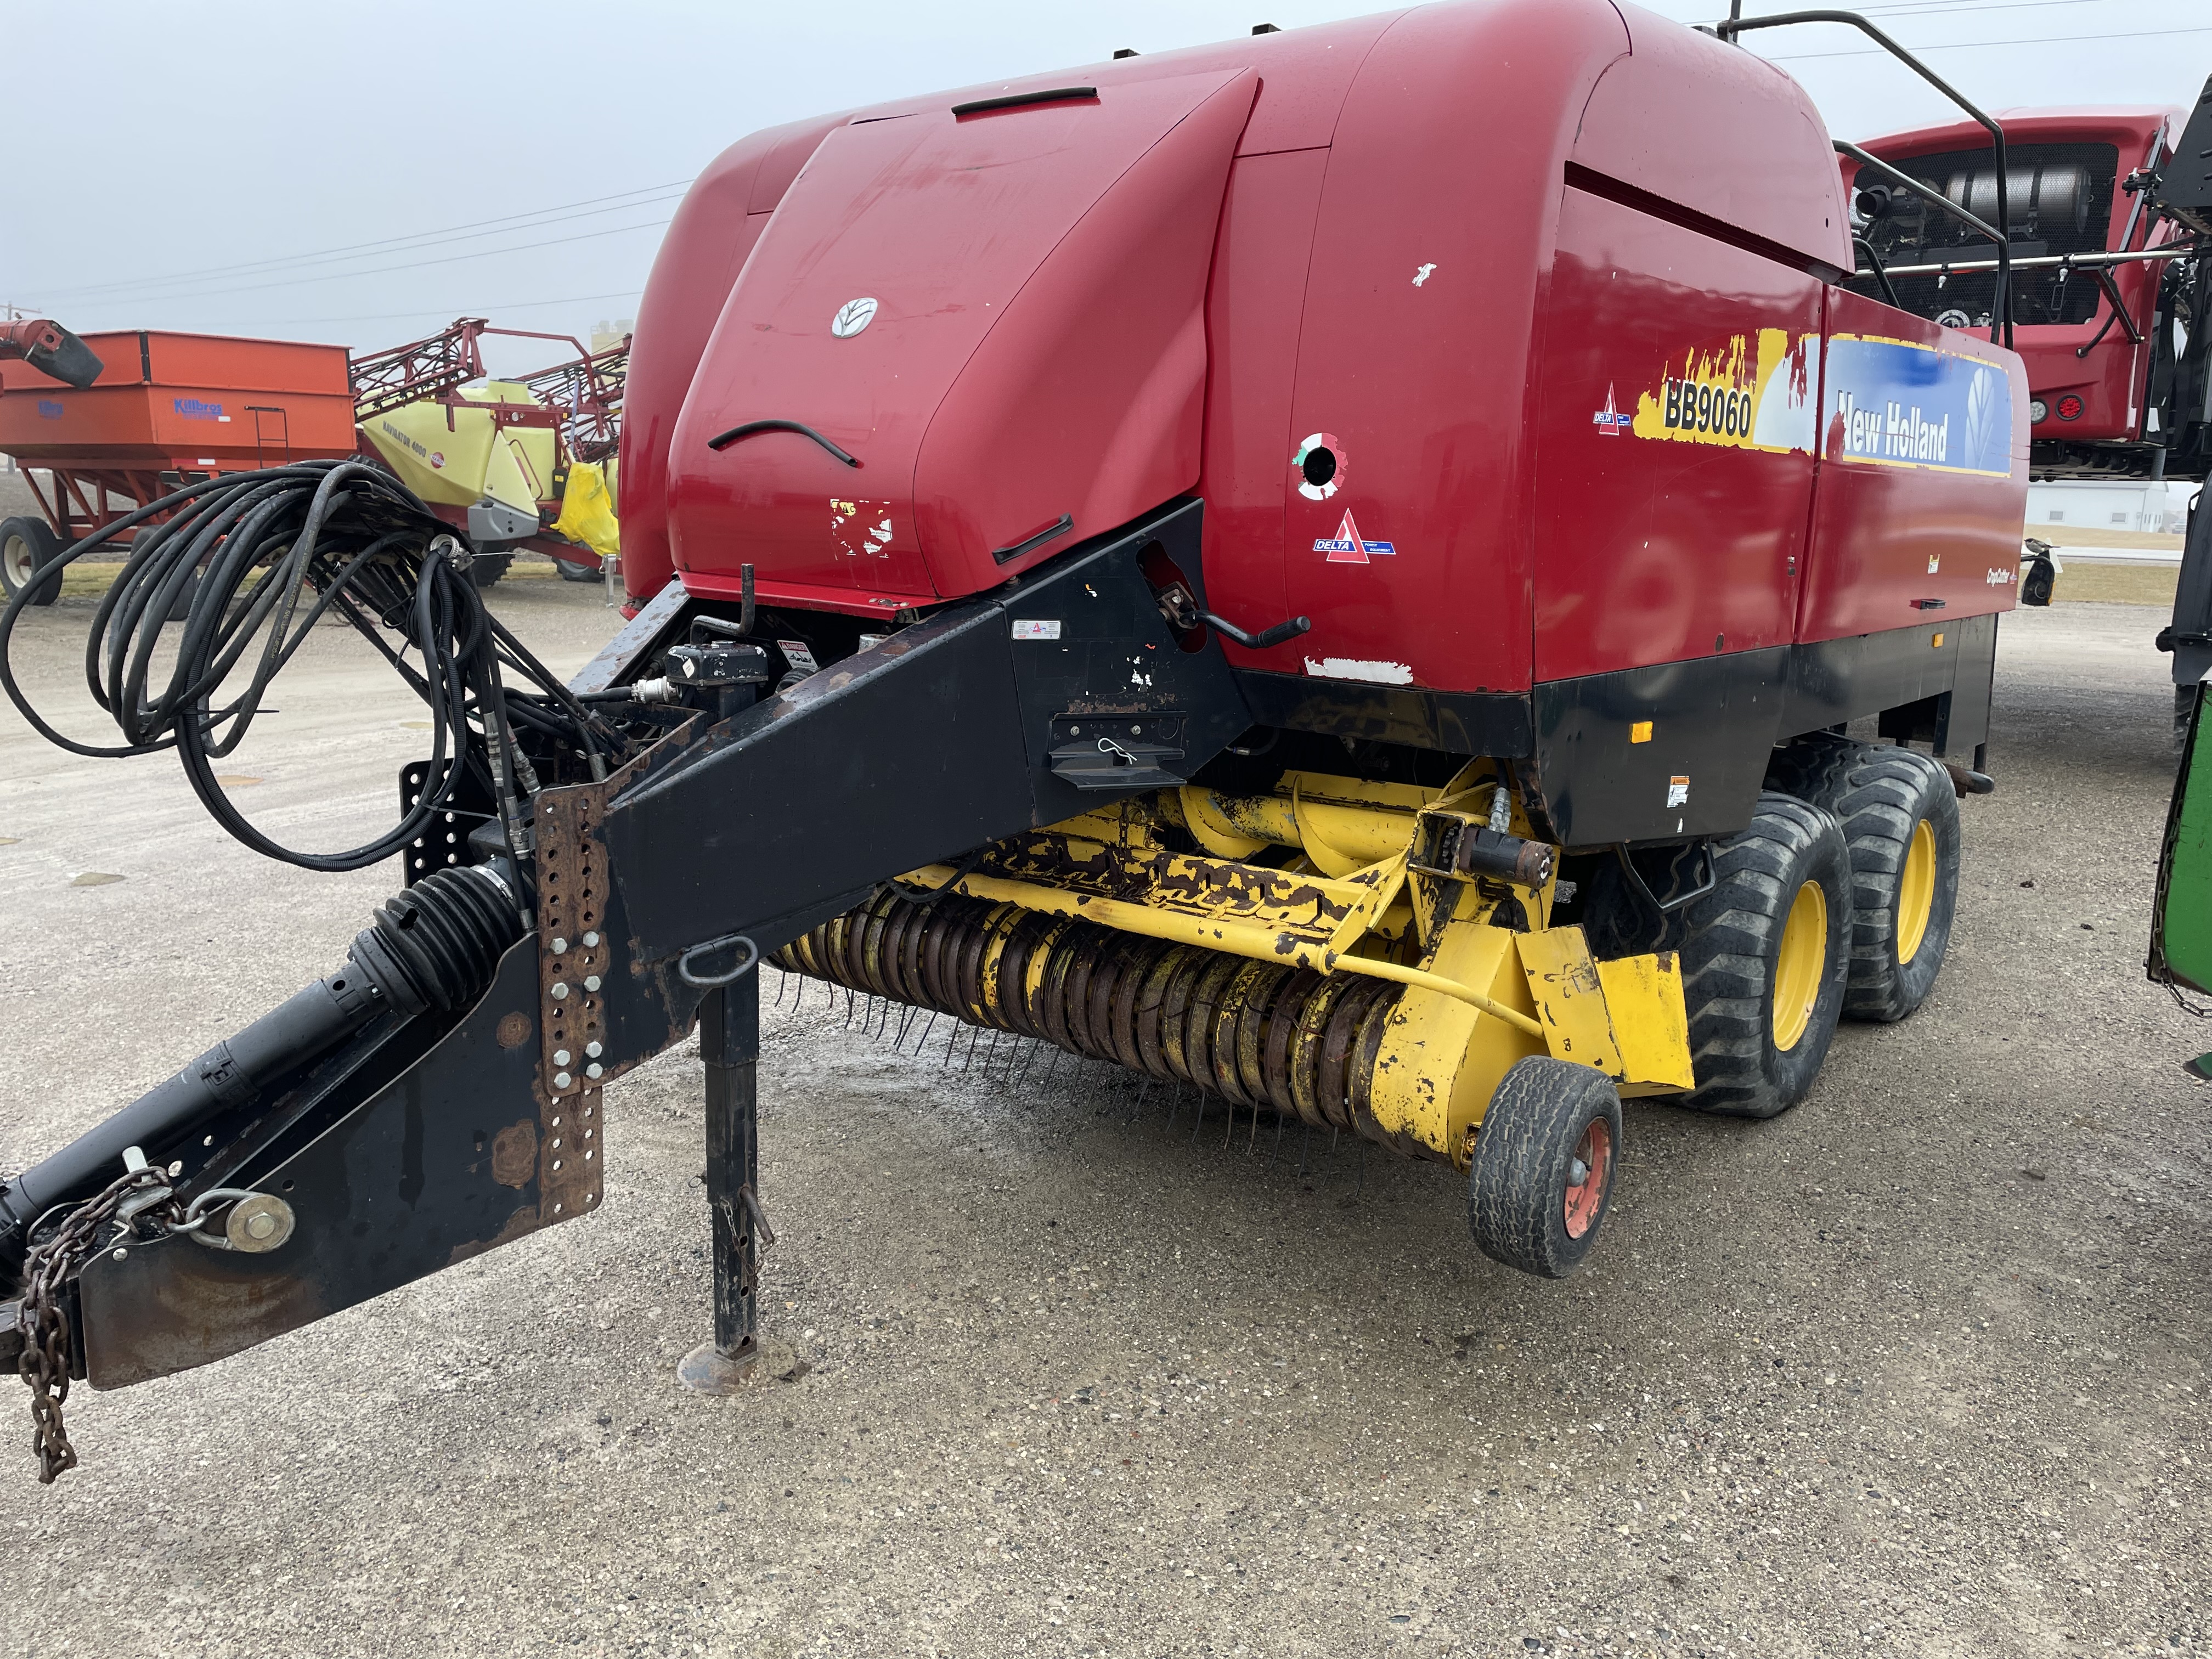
point(573, 967)
point(415, 1178)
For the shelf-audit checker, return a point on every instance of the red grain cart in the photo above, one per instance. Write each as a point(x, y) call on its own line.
point(167, 409)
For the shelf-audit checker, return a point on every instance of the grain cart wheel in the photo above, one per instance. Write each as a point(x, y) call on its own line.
point(1899, 811)
point(571, 571)
point(1765, 960)
point(25, 544)
point(1544, 1165)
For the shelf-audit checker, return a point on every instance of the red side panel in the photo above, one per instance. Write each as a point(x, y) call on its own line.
point(699, 260)
point(1259, 291)
point(1722, 131)
point(1415, 352)
point(1677, 460)
point(1923, 485)
point(1037, 346)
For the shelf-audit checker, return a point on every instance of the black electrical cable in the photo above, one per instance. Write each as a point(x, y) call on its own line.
point(242, 567)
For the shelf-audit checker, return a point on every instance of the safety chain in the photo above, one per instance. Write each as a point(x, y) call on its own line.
point(45, 1361)
point(2183, 1003)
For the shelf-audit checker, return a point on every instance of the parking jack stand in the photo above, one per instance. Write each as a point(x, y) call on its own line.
point(729, 1042)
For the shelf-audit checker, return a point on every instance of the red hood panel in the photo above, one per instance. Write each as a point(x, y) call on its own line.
point(1037, 347)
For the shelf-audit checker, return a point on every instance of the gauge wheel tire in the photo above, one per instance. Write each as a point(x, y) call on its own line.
point(1766, 960)
point(487, 568)
point(25, 544)
point(1899, 811)
point(572, 571)
point(1547, 1160)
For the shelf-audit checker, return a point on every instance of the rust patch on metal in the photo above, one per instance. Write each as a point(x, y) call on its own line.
point(574, 1062)
point(513, 1030)
point(514, 1154)
point(523, 1220)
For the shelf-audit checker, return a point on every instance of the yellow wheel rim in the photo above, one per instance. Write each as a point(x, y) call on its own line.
point(1916, 891)
point(1797, 966)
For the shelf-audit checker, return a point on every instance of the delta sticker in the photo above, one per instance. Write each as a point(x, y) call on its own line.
point(1609, 419)
point(1320, 466)
point(1738, 395)
point(1346, 547)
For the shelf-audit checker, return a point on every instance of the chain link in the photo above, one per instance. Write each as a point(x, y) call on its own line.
point(44, 1363)
point(2183, 1003)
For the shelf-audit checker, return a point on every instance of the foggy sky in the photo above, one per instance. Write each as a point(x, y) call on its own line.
point(156, 141)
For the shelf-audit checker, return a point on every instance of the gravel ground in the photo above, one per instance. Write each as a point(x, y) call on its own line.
point(1917, 1369)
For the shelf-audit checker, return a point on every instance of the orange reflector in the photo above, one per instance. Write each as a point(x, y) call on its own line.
point(1640, 732)
point(1937, 642)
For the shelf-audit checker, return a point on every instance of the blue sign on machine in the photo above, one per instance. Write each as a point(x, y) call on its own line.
point(1895, 404)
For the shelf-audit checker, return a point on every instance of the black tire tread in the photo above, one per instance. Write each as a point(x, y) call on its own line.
point(1878, 791)
point(1726, 949)
point(487, 568)
point(1534, 1122)
point(44, 545)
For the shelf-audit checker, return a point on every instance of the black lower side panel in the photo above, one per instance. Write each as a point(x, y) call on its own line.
point(1681, 749)
point(1455, 722)
point(1940, 672)
point(1662, 753)
point(1675, 750)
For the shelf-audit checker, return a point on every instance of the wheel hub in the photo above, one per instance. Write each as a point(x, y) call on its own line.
point(1798, 963)
point(1916, 891)
point(1588, 1177)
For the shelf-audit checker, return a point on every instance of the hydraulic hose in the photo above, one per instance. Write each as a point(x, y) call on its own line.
point(241, 566)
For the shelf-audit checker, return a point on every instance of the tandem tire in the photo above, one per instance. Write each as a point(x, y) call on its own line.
point(1899, 812)
point(25, 544)
point(1765, 959)
point(1544, 1163)
point(487, 568)
point(571, 571)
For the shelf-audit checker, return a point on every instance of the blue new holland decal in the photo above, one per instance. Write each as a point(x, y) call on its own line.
point(1894, 403)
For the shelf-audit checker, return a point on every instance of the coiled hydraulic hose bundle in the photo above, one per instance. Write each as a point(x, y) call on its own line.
point(243, 566)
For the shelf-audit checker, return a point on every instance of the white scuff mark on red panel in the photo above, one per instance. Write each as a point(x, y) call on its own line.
point(861, 528)
point(1354, 668)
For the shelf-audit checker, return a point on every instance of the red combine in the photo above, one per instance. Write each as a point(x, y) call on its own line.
point(2106, 276)
point(1335, 571)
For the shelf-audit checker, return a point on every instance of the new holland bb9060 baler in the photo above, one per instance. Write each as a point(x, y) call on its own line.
point(1332, 569)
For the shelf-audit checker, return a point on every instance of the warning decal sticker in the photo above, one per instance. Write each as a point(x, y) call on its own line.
point(1346, 547)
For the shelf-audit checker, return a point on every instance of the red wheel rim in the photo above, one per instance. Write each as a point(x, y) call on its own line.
point(1586, 1198)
